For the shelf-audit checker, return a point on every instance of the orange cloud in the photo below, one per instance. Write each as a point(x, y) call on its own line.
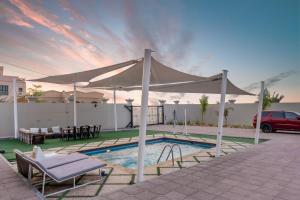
point(13, 17)
point(83, 47)
point(40, 16)
point(75, 14)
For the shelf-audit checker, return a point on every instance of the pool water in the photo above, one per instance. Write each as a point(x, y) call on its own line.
point(126, 155)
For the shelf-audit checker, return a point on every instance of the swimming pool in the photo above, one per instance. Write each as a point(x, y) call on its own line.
point(126, 154)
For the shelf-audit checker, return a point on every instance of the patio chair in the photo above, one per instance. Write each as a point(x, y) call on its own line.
point(68, 134)
point(75, 132)
point(87, 131)
point(59, 168)
point(99, 130)
point(94, 131)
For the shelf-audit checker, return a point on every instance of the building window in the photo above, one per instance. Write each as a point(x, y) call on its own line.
point(4, 90)
point(20, 91)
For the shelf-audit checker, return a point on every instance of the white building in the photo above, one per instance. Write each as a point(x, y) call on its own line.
point(6, 86)
point(53, 96)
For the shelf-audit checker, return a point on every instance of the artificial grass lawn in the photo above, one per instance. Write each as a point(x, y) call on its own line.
point(10, 144)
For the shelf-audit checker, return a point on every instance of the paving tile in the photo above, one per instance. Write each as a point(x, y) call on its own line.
point(203, 196)
point(175, 195)
point(146, 195)
point(133, 190)
point(161, 198)
point(117, 195)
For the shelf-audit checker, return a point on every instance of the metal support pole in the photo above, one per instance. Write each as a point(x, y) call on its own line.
point(185, 128)
point(75, 104)
point(221, 113)
point(44, 182)
point(144, 111)
point(15, 108)
point(174, 121)
point(115, 112)
point(259, 110)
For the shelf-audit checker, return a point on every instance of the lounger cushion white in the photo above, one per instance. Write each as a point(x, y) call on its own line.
point(39, 154)
point(56, 161)
point(56, 129)
point(44, 130)
point(67, 171)
point(34, 130)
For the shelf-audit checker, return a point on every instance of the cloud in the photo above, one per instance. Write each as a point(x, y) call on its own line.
point(84, 47)
point(163, 31)
point(78, 44)
point(177, 97)
point(270, 82)
point(195, 69)
point(13, 17)
point(74, 12)
point(42, 17)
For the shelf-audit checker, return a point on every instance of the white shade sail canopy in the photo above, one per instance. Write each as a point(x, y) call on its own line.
point(84, 76)
point(160, 74)
point(165, 79)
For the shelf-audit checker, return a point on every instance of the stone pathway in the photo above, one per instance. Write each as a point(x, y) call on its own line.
point(269, 171)
point(12, 187)
point(235, 132)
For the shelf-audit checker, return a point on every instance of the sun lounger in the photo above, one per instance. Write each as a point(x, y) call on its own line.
point(61, 168)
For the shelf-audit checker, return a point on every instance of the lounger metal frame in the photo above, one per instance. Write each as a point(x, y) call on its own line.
point(33, 164)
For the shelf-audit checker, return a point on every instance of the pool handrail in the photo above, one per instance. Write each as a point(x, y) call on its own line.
point(180, 152)
point(163, 152)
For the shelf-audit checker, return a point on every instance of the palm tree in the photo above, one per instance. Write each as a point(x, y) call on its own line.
point(226, 114)
point(35, 92)
point(276, 97)
point(268, 99)
point(203, 106)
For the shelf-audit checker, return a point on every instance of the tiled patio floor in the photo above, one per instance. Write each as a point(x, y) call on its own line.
point(120, 177)
point(269, 171)
point(12, 187)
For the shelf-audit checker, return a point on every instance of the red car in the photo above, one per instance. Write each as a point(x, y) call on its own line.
point(272, 121)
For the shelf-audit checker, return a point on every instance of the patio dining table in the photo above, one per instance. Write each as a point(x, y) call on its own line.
point(69, 132)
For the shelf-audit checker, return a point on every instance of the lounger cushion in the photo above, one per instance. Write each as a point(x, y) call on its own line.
point(59, 160)
point(56, 129)
point(44, 130)
point(67, 171)
point(39, 154)
point(34, 130)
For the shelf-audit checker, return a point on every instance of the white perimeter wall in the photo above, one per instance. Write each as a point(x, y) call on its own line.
point(59, 114)
point(242, 114)
point(53, 114)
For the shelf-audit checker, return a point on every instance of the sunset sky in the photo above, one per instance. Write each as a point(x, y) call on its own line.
point(254, 39)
